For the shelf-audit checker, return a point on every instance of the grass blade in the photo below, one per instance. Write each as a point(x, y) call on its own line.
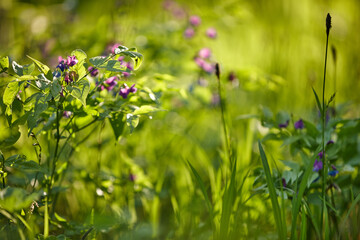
point(203, 190)
point(317, 101)
point(303, 224)
point(274, 201)
point(297, 199)
point(228, 203)
point(357, 199)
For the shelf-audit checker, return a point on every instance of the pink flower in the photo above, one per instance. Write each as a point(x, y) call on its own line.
point(195, 20)
point(208, 67)
point(189, 33)
point(71, 61)
point(211, 32)
point(204, 53)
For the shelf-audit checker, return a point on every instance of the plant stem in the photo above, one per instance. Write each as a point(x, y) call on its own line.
point(3, 169)
point(328, 26)
point(222, 107)
point(46, 214)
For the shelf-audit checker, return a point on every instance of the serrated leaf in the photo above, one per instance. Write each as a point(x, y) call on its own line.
point(145, 109)
point(80, 90)
point(4, 64)
point(42, 67)
point(132, 121)
point(117, 124)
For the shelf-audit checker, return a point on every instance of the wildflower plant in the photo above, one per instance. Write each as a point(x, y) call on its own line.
point(59, 103)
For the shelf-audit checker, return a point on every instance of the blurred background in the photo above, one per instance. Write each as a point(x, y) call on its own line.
point(270, 52)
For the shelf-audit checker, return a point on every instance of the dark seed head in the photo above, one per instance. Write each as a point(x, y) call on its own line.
point(328, 23)
point(217, 70)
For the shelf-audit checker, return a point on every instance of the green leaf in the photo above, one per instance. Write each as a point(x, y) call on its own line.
point(79, 67)
point(202, 188)
point(59, 218)
point(9, 136)
point(317, 101)
point(15, 199)
point(296, 202)
point(55, 88)
point(274, 201)
point(98, 62)
point(145, 109)
point(80, 90)
point(120, 49)
point(9, 95)
point(135, 56)
point(80, 55)
point(115, 66)
point(28, 77)
point(117, 124)
point(132, 121)
point(4, 64)
point(23, 70)
point(43, 68)
point(37, 103)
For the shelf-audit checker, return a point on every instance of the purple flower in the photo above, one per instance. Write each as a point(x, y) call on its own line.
point(195, 20)
point(125, 90)
point(318, 165)
point(133, 89)
point(67, 78)
point(67, 114)
point(93, 71)
point(189, 33)
point(204, 53)
point(299, 124)
point(109, 83)
point(283, 182)
point(71, 61)
point(284, 125)
point(321, 154)
point(330, 142)
point(62, 64)
point(211, 32)
point(132, 177)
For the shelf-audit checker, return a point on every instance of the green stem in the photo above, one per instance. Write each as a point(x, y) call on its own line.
point(223, 111)
point(46, 214)
point(3, 169)
point(323, 137)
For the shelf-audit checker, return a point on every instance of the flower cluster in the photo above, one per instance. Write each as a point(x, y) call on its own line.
point(194, 23)
point(66, 63)
point(203, 60)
